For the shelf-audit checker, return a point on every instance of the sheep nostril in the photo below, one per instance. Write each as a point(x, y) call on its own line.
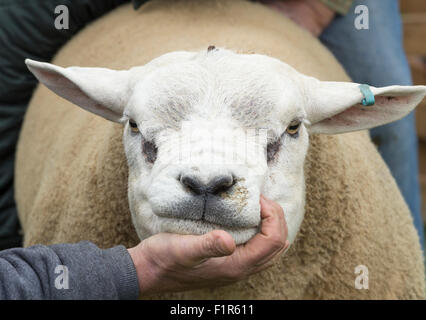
point(215, 186)
point(221, 184)
point(193, 184)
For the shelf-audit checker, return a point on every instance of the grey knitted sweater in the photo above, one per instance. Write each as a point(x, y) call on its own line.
point(67, 271)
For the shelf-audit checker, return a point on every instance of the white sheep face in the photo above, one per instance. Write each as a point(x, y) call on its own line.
point(210, 116)
point(206, 133)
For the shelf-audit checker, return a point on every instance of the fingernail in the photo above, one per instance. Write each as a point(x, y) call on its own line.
point(266, 198)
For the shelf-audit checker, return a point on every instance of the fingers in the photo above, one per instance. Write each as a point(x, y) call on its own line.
point(191, 251)
point(216, 243)
point(267, 209)
point(254, 256)
point(275, 259)
point(274, 209)
point(273, 235)
point(188, 261)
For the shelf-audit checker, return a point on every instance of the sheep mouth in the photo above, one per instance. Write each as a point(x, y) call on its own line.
point(199, 227)
point(203, 224)
point(207, 211)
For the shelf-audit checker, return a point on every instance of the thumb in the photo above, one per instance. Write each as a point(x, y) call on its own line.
point(216, 243)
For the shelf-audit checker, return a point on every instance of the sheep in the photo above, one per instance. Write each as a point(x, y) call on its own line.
point(71, 172)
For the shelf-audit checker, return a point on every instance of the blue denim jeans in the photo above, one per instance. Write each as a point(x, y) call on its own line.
point(376, 56)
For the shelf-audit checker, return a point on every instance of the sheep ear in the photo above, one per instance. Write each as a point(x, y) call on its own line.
point(336, 107)
point(101, 91)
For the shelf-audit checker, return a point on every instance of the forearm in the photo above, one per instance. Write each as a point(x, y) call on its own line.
point(92, 273)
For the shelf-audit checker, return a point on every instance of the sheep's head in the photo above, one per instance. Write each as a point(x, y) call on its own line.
point(206, 133)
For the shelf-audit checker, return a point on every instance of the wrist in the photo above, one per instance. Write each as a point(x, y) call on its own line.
point(147, 272)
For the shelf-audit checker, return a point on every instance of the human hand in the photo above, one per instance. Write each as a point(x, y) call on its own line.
point(170, 262)
point(312, 15)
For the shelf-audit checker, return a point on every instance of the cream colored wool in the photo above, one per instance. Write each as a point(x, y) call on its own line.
point(71, 171)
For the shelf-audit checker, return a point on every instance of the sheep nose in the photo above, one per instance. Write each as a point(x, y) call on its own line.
point(216, 185)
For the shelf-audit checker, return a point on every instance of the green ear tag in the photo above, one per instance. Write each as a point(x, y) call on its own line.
point(368, 95)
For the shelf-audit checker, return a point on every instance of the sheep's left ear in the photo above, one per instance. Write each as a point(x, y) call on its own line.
point(101, 91)
point(336, 107)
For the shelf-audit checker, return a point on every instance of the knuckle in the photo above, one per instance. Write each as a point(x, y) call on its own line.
point(208, 244)
point(277, 242)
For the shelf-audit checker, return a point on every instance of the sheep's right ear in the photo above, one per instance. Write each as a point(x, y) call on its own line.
point(101, 91)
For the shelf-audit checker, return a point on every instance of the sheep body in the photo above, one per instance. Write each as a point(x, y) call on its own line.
point(71, 171)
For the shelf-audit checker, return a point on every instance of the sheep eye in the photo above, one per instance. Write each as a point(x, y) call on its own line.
point(133, 126)
point(293, 128)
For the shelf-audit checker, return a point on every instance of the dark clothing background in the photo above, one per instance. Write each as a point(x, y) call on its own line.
point(27, 30)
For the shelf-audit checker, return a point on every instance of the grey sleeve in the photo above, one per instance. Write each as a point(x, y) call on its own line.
point(67, 271)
